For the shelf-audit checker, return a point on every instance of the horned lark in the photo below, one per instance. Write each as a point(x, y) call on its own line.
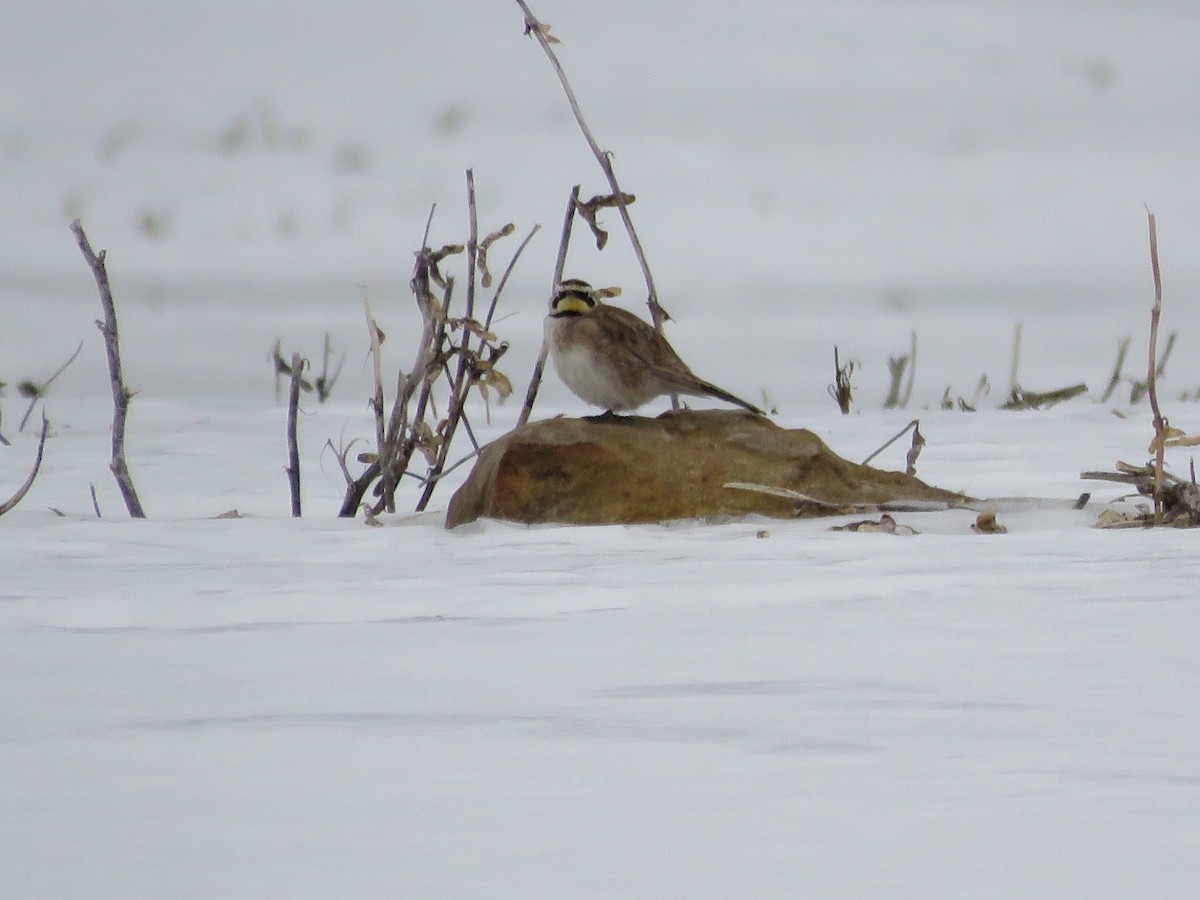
point(610, 358)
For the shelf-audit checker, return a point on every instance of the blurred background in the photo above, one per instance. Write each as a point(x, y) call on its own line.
point(807, 174)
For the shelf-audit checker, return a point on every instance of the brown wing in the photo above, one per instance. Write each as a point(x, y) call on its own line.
point(634, 338)
point(634, 342)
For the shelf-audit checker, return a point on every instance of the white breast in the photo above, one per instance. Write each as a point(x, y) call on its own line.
point(588, 377)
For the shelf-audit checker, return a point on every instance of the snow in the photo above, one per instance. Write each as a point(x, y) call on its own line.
point(269, 707)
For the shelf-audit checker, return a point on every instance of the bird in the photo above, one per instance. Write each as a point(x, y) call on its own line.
point(612, 359)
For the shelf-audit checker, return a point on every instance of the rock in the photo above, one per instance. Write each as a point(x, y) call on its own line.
point(629, 469)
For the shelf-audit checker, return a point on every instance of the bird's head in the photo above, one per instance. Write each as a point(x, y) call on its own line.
point(573, 298)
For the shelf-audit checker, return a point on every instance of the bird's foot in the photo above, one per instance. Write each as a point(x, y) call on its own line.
point(610, 418)
point(606, 417)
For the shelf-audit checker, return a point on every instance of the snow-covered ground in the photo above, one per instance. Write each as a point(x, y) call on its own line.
point(269, 707)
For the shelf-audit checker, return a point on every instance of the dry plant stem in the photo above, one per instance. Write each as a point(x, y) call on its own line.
point(95, 501)
point(1122, 352)
point(535, 382)
point(121, 394)
point(914, 449)
point(466, 423)
point(841, 390)
point(45, 386)
point(461, 385)
point(1160, 424)
point(293, 471)
point(377, 400)
point(446, 471)
point(391, 456)
point(491, 313)
point(912, 373)
point(896, 368)
point(33, 473)
point(538, 30)
point(1015, 362)
point(468, 360)
point(340, 456)
point(325, 381)
point(914, 424)
point(398, 446)
point(276, 356)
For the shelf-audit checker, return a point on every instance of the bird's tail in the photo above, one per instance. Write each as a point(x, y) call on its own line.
point(713, 391)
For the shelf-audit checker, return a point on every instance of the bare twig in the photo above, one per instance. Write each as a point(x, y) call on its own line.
point(512, 263)
point(1160, 423)
point(325, 381)
point(376, 340)
point(914, 449)
point(1020, 399)
point(279, 364)
point(560, 263)
point(446, 471)
point(841, 390)
point(461, 384)
point(1139, 388)
point(393, 454)
point(95, 501)
point(489, 377)
point(1122, 352)
point(542, 33)
point(897, 366)
point(1013, 385)
point(36, 392)
point(293, 469)
point(788, 493)
point(1180, 496)
point(460, 348)
point(340, 455)
point(121, 394)
point(485, 276)
point(37, 465)
point(913, 426)
point(590, 210)
point(912, 373)
point(283, 369)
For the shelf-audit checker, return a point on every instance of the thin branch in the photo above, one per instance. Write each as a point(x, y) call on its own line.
point(1122, 352)
point(446, 471)
point(1015, 362)
point(293, 470)
point(841, 390)
point(37, 464)
point(325, 381)
point(38, 391)
point(542, 32)
point(376, 339)
point(491, 313)
point(1160, 424)
point(913, 425)
point(535, 382)
point(461, 385)
point(912, 373)
point(121, 394)
point(393, 455)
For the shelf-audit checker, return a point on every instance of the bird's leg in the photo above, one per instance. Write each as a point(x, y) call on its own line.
point(605, 417)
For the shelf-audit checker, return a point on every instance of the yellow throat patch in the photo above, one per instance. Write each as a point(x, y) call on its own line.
point(571, 303)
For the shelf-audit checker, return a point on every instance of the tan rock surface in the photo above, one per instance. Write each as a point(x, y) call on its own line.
point(634, 469)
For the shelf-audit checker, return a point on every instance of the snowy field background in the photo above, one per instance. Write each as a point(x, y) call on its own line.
point(265, 707)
